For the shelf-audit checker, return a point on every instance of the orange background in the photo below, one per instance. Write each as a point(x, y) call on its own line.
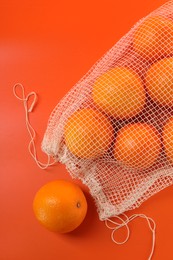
point(48, 46)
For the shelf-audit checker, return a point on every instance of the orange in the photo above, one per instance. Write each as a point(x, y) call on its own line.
point(153, 38)
point(137, 145)
point(60, 206)
point(119, 93)
point(88, 133)
point(168, 138)
point(159, 82)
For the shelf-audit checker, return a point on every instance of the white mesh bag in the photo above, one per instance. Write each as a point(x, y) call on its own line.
point(114, 129)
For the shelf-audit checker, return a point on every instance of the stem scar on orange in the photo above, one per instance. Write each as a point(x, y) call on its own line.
point(88, 133)
point(119, 93)
point(159, 82)
point(153, 37)
point(168, 138)
point(137, 145)
point(60, 206)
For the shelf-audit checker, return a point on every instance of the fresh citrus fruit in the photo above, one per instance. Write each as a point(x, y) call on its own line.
point(153, 37)
point(168, 138)
point(88, 133)
point(137, 145)
point(119, 93)
point(60, 206)
point(159, 82)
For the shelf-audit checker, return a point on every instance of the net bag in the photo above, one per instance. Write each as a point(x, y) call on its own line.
point(114, 129)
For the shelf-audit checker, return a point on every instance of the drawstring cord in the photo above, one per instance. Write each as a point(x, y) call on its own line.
point(30, 129)
point(125, 222)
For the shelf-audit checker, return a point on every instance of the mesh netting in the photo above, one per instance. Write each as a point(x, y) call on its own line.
point(114, 128)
